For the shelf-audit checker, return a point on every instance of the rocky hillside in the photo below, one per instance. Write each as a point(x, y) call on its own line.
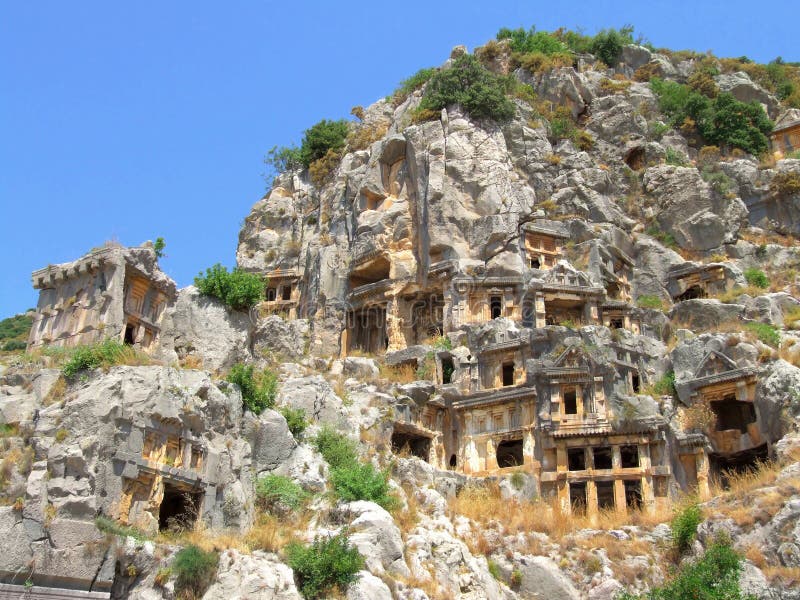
point(520, 266)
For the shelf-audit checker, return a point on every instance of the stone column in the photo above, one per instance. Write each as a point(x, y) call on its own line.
point(539, 309)
point(528, 448)
point(591, 499)
point(701, 463)
point(491, 455)
point(648, 497)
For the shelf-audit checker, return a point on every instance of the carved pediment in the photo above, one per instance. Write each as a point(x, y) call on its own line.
point(714, 363)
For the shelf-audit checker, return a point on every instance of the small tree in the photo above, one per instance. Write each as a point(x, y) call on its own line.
point(258, 388)
point(318, 139)
point(238, 289)
point(158, 247)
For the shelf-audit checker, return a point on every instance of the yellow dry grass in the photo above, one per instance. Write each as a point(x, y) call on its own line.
point(401, 374)
point(484, 505)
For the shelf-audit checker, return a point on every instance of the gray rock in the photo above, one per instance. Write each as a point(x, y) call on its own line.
point(368, 587)
point(270, 439)
point(276, 336)
point(376, 536)
point(257, 576)
point(703, 314)
point(543, 580)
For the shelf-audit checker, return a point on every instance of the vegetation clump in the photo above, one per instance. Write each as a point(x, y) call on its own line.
point(765, 333)
point(295, 419)
point(351, 479)
point(684, 526)
point(104, 354)
point(258, 388)
point(237, 289)
point(715, 576)
point(410, 85)
point(756, 277)
point(327, 563)
point(481, 93)
point(723, 121)
point(194, 570)
point(279, 493)
point(14, 332)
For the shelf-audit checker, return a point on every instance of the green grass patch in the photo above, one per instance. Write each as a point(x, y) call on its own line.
point(107, 525)
point(194, 570)
point(104, 354)
point(765, 333)
point(277, 491)
point(295, 419)
point(756, 277)
point(258, 388)
point(684, 527)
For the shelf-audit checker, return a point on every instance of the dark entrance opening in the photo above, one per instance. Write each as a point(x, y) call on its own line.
point(508, 374)
point(692, 293)
point(416, 445)
point(509, 454)
point(605, 495)
point(633, 494)
point(271, 294)
point(130, 334)
point(286, 292)
point(602, 458)
point(570, 402)
point(616, 323)
point(629, 456)
point(742, 462)
point(453, 461)
point(733, 414)
point(496, 306)
point(635, 158)
point(179, 508)
point(635, 383)
point(577, 496)
point(447, 370)
point(576, 459)
point(535, 264)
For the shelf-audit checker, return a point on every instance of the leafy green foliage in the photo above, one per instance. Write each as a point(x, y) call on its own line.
point(238, 289)
point(532, 41)
point(13, 345)
point(259, 388)
point(273, 491)
point(467, 83)
point(362, 481)
point(324, 564)
point(322, 137)
point(158, 247)
point(15, 326)
point(195, 570)
point(103, 354)
point(675, 158)
point(717, 178)
point(336, 449)
point(715, 576)
point(756, 277)
point(666, 385)
point(723, 121)
point(413, 83)
point(786, 183)
point(684, 527)
point(282, 159)
point(607, 45)
point(295, 419)
point(351, 479)
point(766, 333)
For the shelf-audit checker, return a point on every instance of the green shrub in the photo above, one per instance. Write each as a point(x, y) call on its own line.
point(14, 345)
point(103, 354)
point(756, 277)
point(467, 83)
point(675, 158)
point(362, 481)
point(16, 327)
point(238, 289)
point(413, 83)
point(258, 388)
point(723, 121)
point(295, 419)
point(494, 569)
point(662, 236)
point(282, 159)
point(158, 247)
point(272, 491)
point(718, 180)
point(684, 527)
point(336, 449)
point(322, 137)
point(666, 385)
point(766, 333)
point(607, 45)
point(532, 41)
point(195, 570)
point(647, 301)
point(785, 183)
point(715, 576)
point(326, 563)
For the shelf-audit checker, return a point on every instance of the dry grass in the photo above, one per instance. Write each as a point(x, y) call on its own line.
point(762, 239)
point(401, 374)
point(485, 505)
point(56, 392)
point(429, 585)
point(731, 295)
point(785, 577)
point(408, 518)
point(271, 534)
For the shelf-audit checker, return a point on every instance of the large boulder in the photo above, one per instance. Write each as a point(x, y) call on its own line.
point(690, 211)
point(270, 439)
point(203, 328)
point(257, 576)
point(287, 339)
point(373, 531)
point(543, 580)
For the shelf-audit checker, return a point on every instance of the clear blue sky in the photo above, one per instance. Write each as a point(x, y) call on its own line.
point(132, 120)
